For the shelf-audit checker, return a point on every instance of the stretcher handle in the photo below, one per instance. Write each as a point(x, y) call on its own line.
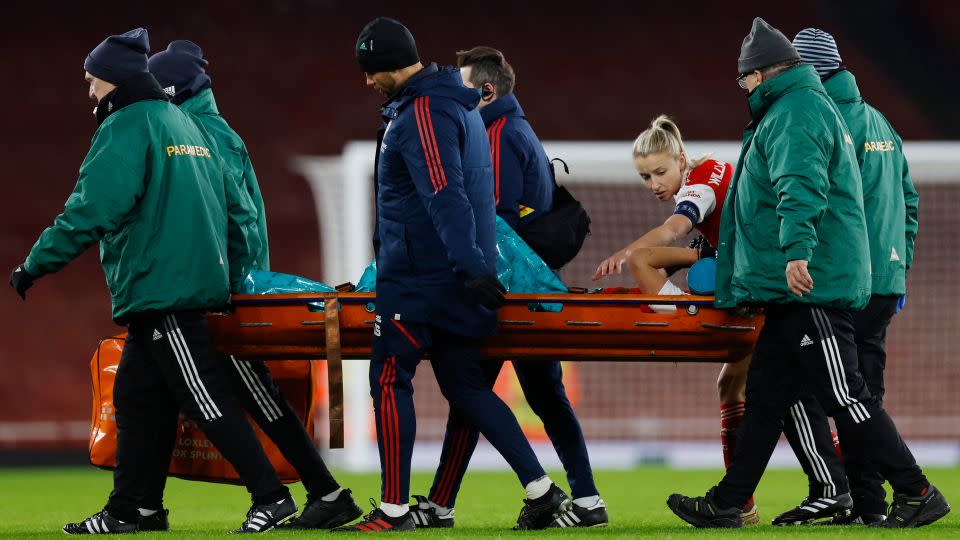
point(334, 369)
point(567, 299)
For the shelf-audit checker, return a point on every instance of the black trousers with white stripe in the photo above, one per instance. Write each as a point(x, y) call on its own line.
point(804, 348)
point(866, 484)
point(169, 364)
point(255, 390)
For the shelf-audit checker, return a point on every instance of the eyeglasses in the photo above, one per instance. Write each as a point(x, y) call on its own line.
point(742, 81)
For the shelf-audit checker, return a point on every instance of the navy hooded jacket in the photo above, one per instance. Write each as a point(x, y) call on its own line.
point(435, 208)
point(523, 183)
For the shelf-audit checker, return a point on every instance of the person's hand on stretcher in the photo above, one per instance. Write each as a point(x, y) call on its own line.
point(674, 228)
point(652, 267)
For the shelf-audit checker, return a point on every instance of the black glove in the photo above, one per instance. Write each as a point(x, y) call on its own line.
point(486, 291)
point(21, 280)
point(705, 250)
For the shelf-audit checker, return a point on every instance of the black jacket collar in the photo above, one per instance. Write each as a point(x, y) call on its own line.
point(140, 87)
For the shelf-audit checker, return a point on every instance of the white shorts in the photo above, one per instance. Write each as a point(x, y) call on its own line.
point(668, 289)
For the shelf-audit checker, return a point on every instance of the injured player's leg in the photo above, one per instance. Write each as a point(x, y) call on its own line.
point(648, 268)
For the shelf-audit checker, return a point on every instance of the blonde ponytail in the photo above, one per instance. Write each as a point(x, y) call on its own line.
point(663, 137)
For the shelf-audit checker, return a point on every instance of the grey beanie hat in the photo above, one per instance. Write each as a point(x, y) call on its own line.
point(818, 49)
point(764, 46)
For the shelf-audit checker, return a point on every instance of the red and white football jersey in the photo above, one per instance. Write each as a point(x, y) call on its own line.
point(702, 195)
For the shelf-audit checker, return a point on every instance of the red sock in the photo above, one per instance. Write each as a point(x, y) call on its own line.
point(731, 414)
point(836, 445)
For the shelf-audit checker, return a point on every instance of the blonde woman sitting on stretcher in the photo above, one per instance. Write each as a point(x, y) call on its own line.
point(698, 187)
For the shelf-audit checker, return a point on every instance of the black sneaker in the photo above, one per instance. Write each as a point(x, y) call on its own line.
point(916, 511)
point(425, 516)
point(263, 517)
point(157, 521)
point(320, 514)
point(817, 511)
point(539, 513)
point(379, 521)
point(858, 518)
point(100, 523)
point(578, 516)
point(703, 512)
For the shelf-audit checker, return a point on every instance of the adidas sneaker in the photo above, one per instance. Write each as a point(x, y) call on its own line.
point(100, 523)
point(157, 521)
point(539, 513)
point(425, 515)
point(578, 516)
point(817, 511)
point(263, 517)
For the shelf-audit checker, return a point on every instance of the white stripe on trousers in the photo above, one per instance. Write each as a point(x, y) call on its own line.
point(259, 392)
point(189, 371)
point(841, 390)
point(820, 471)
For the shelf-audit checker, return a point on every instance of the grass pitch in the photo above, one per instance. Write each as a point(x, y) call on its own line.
point(35, 503)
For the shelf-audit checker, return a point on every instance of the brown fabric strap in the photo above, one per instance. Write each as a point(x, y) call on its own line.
point(334, 369)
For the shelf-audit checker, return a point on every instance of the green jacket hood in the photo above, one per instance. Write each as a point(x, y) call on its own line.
point(842, 87)
point(202, 103)
point(769, 91)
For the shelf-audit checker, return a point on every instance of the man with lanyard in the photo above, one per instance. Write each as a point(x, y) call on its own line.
point(523, 191)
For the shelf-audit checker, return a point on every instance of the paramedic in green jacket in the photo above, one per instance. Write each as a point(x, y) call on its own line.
point(793, 240)
point(890, 206)
point(181, 71)
point(174, 232)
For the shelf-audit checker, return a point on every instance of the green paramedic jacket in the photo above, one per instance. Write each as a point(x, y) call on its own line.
point(203, 108)
point(795, 194)
point(155, 196)
point(890, 200)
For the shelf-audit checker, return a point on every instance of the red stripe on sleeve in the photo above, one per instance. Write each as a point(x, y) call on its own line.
point(496, 162)
point(432, 138)
point(422, 130)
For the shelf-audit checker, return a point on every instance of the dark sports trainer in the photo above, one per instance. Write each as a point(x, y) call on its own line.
point(890, 204)
point(181, 71)
point(174, 231)
point(797, 156)
point(523, 191)
point(437, 288)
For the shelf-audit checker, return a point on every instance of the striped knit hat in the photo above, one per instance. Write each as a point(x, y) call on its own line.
point(818, 49)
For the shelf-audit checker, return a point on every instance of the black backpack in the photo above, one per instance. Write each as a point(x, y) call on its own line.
point(558, 235)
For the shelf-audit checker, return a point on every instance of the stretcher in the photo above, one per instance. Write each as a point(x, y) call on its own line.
point(579, 327)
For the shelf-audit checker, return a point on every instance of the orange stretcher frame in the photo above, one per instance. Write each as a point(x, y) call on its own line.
point(590, 327)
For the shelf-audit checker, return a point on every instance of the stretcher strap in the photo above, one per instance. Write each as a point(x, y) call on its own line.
point(334, 369)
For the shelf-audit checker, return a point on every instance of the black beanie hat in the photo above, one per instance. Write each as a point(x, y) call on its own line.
point(118, 58)
point(180, 70)
point(386, 45)
point(764, 46)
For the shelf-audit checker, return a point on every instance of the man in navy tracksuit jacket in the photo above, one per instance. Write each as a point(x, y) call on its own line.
point(437, 289)
point(523, 188)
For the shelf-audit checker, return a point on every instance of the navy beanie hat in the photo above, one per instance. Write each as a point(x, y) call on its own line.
point(385, 44)
point(818, 49)
point(180, 70)
point(118, 58)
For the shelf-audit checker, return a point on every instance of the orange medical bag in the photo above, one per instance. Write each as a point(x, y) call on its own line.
point(194, 457)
